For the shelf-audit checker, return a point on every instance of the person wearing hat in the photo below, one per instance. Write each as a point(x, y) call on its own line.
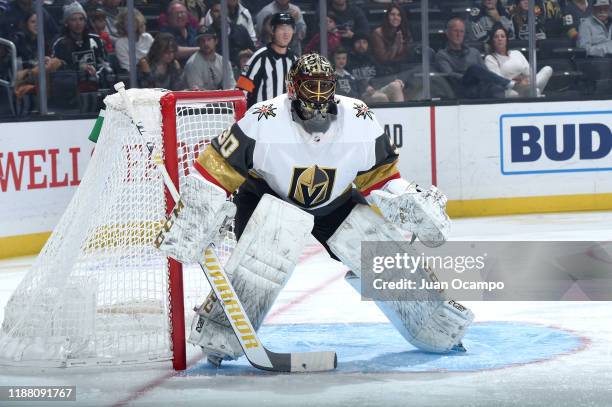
point(205, 69)
point(267, 69)
point(595, 32)
point(79, 50)
point(365, 69)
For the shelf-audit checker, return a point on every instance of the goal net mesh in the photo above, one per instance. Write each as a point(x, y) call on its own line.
point(98, 291)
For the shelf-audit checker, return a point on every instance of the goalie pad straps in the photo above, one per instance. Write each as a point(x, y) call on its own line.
point(428, 321)
point(195, 221)
point(421, 212)
point(258, 268)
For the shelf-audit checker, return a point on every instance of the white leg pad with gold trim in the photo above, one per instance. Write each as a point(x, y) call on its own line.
point(430, 321)
point(258, 268)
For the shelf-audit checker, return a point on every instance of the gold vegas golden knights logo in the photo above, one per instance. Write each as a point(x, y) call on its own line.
point(311, 186)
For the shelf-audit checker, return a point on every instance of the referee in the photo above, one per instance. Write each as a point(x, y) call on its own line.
point(264, 76)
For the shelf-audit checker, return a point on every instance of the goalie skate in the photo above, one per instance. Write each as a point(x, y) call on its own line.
point(221, 343)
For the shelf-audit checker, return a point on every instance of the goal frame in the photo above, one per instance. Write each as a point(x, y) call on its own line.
point(168, 104)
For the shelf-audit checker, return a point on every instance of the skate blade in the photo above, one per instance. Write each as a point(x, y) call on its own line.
point(459, 348)
point(214, 360)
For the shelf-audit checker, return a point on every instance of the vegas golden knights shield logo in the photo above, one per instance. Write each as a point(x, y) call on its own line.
point(311, 186)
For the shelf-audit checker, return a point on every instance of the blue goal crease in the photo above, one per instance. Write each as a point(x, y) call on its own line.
point(378, 348)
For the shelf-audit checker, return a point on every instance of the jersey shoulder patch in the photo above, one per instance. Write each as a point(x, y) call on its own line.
point(265, 111)
point(358, 118)
point(265, 118)
point(362, 110)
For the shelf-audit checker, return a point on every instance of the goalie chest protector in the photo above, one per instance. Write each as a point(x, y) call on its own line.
point(310, 170)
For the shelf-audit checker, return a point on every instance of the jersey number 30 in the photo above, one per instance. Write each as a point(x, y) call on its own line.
point(228, 143)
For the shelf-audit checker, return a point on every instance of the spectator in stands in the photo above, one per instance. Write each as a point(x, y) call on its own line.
point(574, 11)
point(391, 41)
point(553, 18)
point(511, 64)
point(80, 51)
point(4, 5)
point(18, 11)
point(267, 69)
point(196, 10)
point(243, 62)
point(483, 18)
point(465, 69)
point(26, 45)
point(237, 14)
point(349, 19)
point(346, 84)
point(364, 68)
point(266, 31)
point(239, 38)
point(283, 6)
point(111, 9)
point(333, 36)
point(205, 69)
point(144, 40)
point(97, 19)
point(184, 34)
point(595, 32)
point(160, 68)
point(519, 17)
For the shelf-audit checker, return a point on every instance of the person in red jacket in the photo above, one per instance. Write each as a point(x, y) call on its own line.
point(334, 37)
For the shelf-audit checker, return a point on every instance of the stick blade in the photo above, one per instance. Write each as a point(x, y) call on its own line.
point(304, 362)
point(313, 361)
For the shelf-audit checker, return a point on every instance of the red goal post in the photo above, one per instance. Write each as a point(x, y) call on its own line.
point(169, 104)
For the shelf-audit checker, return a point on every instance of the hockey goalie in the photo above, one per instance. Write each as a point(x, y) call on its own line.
point(308, 162)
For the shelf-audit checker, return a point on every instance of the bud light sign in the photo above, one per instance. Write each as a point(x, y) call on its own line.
point(555, 142)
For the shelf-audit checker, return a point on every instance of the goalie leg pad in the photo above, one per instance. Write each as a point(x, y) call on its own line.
point(429, 321)
point(258, 268)
point(195, 221)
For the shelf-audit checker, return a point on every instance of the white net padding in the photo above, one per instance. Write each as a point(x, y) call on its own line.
point(98, 291)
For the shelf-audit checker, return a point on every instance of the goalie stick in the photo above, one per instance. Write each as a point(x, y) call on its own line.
point(255, 352)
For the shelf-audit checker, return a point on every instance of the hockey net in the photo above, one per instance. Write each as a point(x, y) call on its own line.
point(99, 293)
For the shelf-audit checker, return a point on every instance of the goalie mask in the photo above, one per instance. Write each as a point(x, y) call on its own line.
point(311, 85)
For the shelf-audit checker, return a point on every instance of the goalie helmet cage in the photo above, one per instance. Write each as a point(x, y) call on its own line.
point(99, 293)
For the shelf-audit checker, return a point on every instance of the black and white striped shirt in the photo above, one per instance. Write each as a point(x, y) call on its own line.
point(264, 77)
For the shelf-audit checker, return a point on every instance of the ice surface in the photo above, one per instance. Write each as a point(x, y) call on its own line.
point(519, 353)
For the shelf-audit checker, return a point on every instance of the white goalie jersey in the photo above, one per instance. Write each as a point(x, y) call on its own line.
point(267, 149)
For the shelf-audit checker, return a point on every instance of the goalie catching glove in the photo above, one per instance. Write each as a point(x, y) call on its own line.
point(195, 221)
point(420, 212)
